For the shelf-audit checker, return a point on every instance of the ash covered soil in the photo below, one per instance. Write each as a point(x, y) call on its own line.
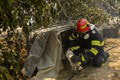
point(108, 71)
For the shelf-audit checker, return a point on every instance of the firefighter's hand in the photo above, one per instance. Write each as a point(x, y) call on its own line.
point(76, 66)
point(75, 59)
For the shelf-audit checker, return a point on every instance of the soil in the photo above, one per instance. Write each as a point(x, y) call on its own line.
point(108, 71)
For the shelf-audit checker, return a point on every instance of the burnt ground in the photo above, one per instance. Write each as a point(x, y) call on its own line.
point(108, 71)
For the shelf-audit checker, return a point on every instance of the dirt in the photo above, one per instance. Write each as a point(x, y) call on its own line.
point(108, 71)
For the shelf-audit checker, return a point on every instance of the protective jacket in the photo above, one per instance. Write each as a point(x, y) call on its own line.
point(91, 43)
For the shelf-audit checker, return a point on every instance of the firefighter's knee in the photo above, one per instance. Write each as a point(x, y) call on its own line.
point(98, 61)
point(105, 56)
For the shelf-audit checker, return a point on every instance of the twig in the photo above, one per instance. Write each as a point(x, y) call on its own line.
point(112, 48)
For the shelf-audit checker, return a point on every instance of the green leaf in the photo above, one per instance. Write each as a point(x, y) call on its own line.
point(11, 67)
point(10, 2)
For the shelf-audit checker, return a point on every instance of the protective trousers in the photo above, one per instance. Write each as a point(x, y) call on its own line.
point(97, 61)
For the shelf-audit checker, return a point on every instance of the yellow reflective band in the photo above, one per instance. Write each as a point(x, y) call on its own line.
point(79, 62)
point(74, 36)
point(94, 42)
point(83, 58)
point(94, 51)
point(97, 43)
point(70, 38)
point(102, 43)
point(75, 48)
point(84, 26)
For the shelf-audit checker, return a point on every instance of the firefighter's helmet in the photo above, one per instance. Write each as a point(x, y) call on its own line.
point(82, 25)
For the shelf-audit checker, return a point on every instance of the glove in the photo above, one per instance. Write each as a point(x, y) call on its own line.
point(76, 66)
point(74, 60)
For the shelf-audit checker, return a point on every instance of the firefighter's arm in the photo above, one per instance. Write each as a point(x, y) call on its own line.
point(73, 39)
point(96, 47)
point(73, 48)
point(73, 42)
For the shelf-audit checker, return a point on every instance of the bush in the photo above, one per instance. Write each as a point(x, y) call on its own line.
point(12, 57)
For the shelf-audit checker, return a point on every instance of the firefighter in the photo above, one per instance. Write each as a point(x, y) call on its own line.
point(86, 45)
